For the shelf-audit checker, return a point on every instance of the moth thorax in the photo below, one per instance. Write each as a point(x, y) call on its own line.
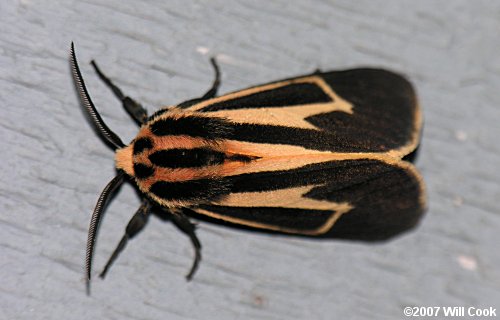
point(168, 153)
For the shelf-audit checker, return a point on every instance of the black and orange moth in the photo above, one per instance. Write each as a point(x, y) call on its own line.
point(323, 155)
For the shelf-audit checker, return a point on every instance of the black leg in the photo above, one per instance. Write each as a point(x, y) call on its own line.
point(134, 108)
point(212, 92)
point(215, 85)
point(183, 223)
point(135, 225)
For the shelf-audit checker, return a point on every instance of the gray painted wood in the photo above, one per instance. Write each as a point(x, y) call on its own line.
point(53, 165)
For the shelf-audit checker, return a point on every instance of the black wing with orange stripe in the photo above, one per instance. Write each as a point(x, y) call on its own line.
point(331, 145)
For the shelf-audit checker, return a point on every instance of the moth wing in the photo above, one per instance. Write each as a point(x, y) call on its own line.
point(364, 199)
point(358, 110)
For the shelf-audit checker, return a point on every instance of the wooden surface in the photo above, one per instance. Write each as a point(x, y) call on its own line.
point(54, 166)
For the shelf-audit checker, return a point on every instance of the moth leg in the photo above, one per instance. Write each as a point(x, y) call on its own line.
point(212, 92)
point(186, 226)
point(135, 225)
point(134, 108)
point(215, 85)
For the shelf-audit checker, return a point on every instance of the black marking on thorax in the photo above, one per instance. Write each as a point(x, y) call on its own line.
point(193, 126)
point(202, 190)
point(187, 158)
point(142, 144)
point(142, 171)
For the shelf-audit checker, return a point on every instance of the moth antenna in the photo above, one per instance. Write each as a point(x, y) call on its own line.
point(108, 191)
point(103, 129)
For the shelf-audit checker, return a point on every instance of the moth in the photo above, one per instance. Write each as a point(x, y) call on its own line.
point(324, 155)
